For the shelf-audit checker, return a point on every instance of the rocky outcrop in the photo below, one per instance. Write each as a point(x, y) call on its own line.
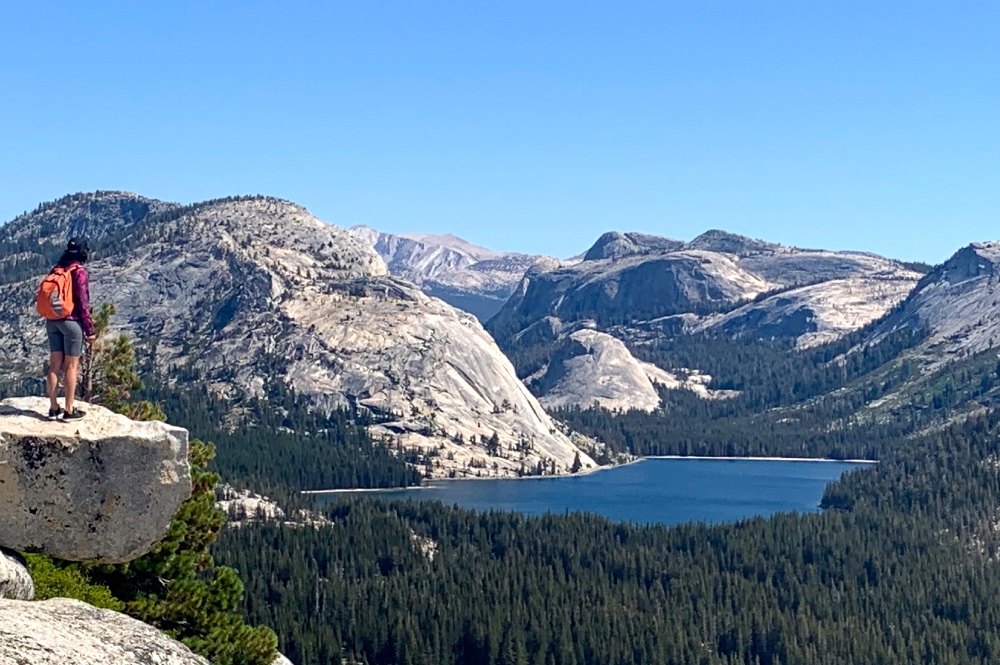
point(958, 303)
point(615, 245)
point(15, 580)
point(817, 313)
point(472, 278)
point(724, 242)
point(632, 288)
point(70, 632)
point(249, 292)
point(244, 506)
point(790, 267)
point(592, 368)
point(100, 489)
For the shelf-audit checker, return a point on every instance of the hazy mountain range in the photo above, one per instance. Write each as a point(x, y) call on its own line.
point(472, 278)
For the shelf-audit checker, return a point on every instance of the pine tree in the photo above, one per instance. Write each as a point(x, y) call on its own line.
point(493, 445)
point(108, 371)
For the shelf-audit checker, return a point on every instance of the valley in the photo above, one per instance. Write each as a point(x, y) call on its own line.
point(642, 345)
point(321, 358)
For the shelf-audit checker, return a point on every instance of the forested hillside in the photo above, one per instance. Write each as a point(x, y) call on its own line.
point(900, 569)
point(281, 446)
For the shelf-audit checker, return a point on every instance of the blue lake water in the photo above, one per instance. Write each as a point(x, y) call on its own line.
point(665, 491)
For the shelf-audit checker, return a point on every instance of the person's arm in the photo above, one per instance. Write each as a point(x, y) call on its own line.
point(81, 287)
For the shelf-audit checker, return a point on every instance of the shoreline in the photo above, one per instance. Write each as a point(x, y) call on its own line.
point(765, 459)
point(430, 483)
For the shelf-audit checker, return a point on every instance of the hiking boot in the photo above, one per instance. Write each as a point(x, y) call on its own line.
point(55, 413)
point(76, 415)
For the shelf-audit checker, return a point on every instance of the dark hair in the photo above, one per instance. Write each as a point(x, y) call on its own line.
point(77, 251)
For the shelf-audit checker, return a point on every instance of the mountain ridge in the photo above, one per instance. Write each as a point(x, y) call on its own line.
point(245, 290)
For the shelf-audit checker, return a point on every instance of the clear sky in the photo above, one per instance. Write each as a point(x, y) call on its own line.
point(531, 126)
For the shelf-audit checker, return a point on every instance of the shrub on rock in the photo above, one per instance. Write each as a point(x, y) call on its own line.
point(60, 579)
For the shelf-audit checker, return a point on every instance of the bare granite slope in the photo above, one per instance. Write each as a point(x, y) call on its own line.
point(248, 291)
point(958, 303)
point(643, 288)
point(61, 631)
point(633, 287)
point(816, 313)
point(590, 368)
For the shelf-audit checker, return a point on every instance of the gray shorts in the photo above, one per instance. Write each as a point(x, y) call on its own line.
point(65, 337)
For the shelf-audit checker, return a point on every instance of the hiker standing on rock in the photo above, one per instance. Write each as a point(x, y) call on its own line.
point(64, 301)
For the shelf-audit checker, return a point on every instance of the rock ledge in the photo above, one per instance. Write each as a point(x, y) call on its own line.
point(101, 489)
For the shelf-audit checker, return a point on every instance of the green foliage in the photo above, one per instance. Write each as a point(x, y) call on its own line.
point(280, 446)
point(177, 588)
point(900, 568)
point(109, 375)
point(66, 580)
point(918, 266)
point(869, 412)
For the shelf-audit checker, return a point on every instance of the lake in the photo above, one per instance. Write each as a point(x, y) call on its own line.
point(655, 490)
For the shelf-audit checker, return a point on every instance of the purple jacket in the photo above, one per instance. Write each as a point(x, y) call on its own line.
point(81, 299)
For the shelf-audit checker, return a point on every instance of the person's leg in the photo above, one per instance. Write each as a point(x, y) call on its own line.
point(73, 347)
point(72, 364)
point(55, 335)
point(52, 379)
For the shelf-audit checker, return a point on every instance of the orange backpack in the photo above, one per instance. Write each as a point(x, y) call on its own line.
point(55, 295)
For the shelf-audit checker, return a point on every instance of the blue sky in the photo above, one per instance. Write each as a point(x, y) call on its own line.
point(530, 126)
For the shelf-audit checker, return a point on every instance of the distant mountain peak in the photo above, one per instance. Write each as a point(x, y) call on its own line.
point(615, 245)
point(974, 260)
point(452, 241)
point(429, 242)
point(957, 303)
point(475, 279)
point(94, 215)
point(716, 240)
